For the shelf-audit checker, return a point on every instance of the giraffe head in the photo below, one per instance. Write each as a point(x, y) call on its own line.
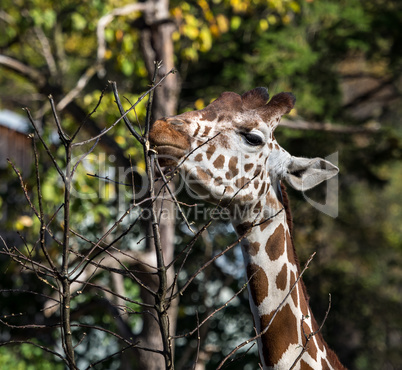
point(228, 150)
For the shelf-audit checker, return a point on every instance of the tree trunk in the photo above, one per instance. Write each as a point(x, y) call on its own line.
point(157, 46)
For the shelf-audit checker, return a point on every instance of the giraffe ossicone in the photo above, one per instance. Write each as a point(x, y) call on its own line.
point(229, 155)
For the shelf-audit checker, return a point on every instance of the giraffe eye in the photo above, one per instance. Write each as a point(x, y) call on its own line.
point(253, 139)
point(176, 122)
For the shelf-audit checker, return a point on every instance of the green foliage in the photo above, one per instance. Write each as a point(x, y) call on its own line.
point(27, 357)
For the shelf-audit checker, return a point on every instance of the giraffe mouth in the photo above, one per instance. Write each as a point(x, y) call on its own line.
point(169, 154)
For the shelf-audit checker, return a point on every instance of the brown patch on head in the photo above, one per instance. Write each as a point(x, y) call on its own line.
point(256, 184)
point(243, 182)
point(221, 117)
point(248, 166)
point(244, 228)
point(281, 333)
point(246, 198)
point(219, 162)
point(208, 114)
point(276, 243)
point(218, 181)
point(282, 278)
point(224, 141)
point(210, 151)
point(248, 125)
point(257, 170)
point(262, 189)
point(258, 283)
point(202, 175)
point(198, 157)
point(233, 166)
point(229, 190)
point(197, 130)
point(305, 366)
point(207, 130)
point(253, 248)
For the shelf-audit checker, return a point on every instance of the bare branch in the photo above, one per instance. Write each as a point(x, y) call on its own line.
point(46, 51)
point(121, 109)
point(45, 145)
point(17, 66)
point(81, 83)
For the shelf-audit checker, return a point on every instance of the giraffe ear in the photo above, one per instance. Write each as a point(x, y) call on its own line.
point(255, 98)
point(282, 103)
point(279, 105)
point(304, 173)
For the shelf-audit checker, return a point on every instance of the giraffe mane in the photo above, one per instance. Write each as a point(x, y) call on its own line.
point(289, 220)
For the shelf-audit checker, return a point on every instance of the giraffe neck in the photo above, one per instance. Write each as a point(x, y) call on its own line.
point(272, 269)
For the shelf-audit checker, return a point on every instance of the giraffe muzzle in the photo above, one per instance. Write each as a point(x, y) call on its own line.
point(170, 144)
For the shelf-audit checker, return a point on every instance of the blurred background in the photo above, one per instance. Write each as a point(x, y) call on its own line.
point(343, 62)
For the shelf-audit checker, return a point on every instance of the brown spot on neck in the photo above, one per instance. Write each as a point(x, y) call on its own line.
point(244, 228)
point(305, 366)
point(281, 333)
point(294, 291)
point(281, 279)
point(258, 283)
point(276, 243)
point(252, 248)
point(265, 224)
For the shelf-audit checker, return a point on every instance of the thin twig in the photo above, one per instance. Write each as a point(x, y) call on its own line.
point(121, 109)
point(45, 145)
point(63, 137)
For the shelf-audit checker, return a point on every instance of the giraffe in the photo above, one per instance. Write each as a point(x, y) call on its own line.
point(230, 155)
